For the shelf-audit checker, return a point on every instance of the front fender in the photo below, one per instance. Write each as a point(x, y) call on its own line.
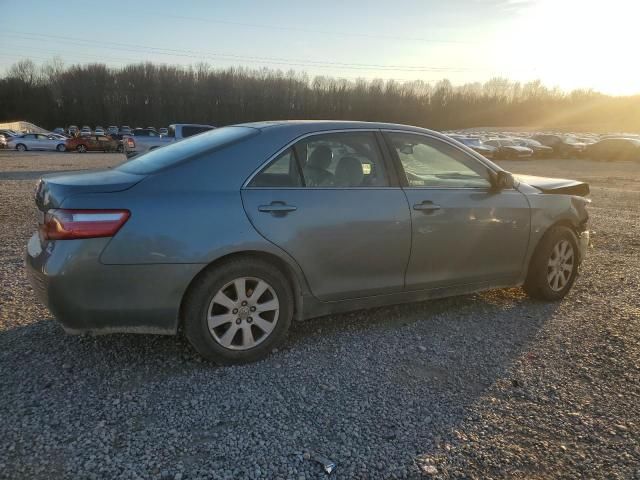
point(548, 210)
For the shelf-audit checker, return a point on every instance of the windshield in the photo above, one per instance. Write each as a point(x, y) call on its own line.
point(160, 158)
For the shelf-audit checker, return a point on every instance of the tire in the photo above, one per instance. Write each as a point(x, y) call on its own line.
point(120, 149)
point(61, 148)
point(21, 147)
point(204, 300)
point(81, 148)
point(547, 282)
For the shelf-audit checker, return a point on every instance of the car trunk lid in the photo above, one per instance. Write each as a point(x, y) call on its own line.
point(52, 189)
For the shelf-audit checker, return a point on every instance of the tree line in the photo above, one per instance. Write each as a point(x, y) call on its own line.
point(145, 94)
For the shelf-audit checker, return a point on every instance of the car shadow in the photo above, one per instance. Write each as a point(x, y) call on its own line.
point(403, 377)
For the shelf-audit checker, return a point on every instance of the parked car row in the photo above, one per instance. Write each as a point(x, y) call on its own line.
point(124, 139)
point(511, 146)
point(60, 143)
point(74, 130)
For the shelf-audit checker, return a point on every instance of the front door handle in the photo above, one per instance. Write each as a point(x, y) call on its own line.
point(426, 206)
point(277, 208)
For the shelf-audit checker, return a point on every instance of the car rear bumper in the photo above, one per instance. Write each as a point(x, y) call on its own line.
point(86, 296)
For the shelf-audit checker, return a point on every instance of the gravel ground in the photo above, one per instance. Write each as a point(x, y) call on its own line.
point(491, 385)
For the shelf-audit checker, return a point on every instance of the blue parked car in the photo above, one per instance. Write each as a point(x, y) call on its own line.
point(236, 232)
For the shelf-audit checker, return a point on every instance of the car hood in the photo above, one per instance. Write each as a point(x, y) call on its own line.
point(555, 185)
point(486, 148)
point(518, 148)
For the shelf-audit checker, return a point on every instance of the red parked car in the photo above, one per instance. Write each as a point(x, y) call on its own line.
point(99, 143)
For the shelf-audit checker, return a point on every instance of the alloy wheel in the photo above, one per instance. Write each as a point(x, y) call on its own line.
point(560, 266)
point(243, 313)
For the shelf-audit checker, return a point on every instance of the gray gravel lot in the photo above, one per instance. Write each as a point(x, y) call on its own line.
point(480, 386)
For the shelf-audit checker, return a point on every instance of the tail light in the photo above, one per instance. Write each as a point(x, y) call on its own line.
point(131, 143)
point(65, 224)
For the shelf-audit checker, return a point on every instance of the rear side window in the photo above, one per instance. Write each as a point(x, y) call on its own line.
point(161, 158)
point(282, 172)
point(345, 160)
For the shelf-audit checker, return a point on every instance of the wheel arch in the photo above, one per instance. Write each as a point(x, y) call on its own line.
point(282, 265)
point(562, 222)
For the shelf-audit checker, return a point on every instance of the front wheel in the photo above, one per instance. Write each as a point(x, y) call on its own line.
point(81, 148)
point(554, 265)
point(238, 312)
point(61, 148)
point(21, 147)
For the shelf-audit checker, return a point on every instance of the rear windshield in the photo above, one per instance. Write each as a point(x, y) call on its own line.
point(164, 157)
point(191, 130)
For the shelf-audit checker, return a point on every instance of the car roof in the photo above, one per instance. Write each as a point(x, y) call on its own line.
point(302, 127)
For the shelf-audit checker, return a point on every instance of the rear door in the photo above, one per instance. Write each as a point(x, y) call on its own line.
point(464, 231)
point(104, 143)
point(331, 202)
point(31, 141)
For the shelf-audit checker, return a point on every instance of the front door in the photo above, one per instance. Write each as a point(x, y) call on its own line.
point(328, 202)
point(464, 231)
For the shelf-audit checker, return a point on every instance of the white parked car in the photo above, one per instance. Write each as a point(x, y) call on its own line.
point(112, 130)
point(37, 141)
point(86, 131)
point(99, 131)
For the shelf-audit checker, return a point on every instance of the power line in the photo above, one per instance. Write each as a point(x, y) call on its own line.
point(255, 59)
point(311, 76)
point(311, 30)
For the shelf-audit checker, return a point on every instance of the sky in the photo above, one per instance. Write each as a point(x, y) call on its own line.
point(565, 43)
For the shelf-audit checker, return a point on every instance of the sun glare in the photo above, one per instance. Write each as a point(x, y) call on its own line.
point(575, 44)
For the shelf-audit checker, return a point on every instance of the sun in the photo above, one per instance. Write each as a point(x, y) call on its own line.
point(574, 44)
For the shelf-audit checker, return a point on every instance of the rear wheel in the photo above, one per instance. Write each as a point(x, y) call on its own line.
point(81, 148)
point(554, 265)
point(238, 312)
point(21, 147)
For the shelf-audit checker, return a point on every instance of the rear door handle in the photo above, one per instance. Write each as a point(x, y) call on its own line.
point(277, 208)
point(426, 206)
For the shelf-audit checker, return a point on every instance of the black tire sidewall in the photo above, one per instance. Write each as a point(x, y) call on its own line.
point(537, 284)
point(200, 294)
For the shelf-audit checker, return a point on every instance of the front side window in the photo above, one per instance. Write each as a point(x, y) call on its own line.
point(429, 162)
point(350, 159)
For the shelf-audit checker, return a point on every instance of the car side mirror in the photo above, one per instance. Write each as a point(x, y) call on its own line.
point(503, 180)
